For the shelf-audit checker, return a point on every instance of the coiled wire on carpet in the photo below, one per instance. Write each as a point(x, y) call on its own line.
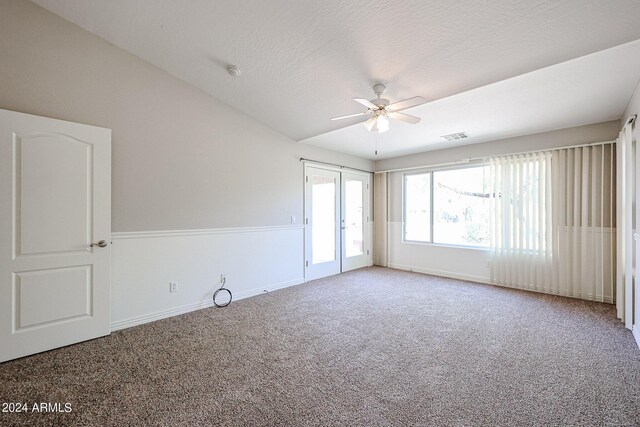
point(223, 289)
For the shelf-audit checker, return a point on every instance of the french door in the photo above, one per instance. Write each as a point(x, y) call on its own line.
point(337, 221)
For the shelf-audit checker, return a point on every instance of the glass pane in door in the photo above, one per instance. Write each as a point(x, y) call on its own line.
point(323, 219)
point(354, 231)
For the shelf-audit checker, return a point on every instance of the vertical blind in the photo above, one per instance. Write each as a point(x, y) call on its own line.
point(624, 270)
point(380, 219)
point(553, 221)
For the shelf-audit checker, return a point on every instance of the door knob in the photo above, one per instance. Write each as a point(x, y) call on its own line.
point(100, 244)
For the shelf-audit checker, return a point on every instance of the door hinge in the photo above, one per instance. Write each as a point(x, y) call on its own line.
point(367, 251)
point(367, 186)
point(306, 178)
point(306, 221)
point(306, 263)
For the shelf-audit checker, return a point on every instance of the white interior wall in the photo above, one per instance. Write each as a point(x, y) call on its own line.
point(457, 262)
point(633, 107)
point(254, 260)
point(598, 132)
point(181, 161)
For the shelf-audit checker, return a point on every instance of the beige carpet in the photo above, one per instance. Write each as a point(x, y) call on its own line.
point(374, 347)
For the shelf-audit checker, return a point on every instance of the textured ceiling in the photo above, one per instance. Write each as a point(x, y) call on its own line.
point(591, 89)
point(303, 60)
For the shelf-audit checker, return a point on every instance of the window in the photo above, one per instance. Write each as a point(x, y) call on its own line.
point(417, 207)
point(448, 207)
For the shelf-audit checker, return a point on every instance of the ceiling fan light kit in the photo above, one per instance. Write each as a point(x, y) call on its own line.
point(380, 110)
point(378, 123)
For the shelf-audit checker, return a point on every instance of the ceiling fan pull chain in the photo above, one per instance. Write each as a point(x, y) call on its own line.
point(376, 142)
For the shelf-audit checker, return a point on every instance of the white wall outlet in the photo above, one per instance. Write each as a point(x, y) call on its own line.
point(223, 278)
point(173, 287)
point(293, 219)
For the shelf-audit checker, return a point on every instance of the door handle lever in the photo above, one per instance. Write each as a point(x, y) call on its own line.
point(100, 244)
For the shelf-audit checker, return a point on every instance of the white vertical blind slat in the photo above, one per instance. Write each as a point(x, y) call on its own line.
point(612, 242)
point(519, 196)
point(539, 211)
point(577, 241)
point(562, 211)
point(530, 228)
point(620, 225)
point(550, 238)
point(600, 246)
point(628, 231)
point(555, 222)
point(585, 252)
point(513, 187)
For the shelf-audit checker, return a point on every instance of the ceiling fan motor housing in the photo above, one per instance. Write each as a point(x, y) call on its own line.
point(380, 102)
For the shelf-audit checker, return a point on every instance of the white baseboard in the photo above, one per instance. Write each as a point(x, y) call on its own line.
point(441, 273)
point(488, 281)
point(577, 295)
point(636, 333)
point(152, 317)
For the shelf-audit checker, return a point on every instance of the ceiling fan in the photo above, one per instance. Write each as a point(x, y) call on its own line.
point(379, 111)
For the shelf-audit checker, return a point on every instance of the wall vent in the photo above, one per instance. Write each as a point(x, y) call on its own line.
point(455, 136)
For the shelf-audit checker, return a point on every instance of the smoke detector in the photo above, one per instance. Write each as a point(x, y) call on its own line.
point(233, 70)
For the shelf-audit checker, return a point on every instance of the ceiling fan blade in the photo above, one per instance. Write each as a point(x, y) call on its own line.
point(404, 117)
point(366, 103)
point(407, 103)
point(349, 116)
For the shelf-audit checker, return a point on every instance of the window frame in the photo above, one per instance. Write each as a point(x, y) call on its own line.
point(430, 171)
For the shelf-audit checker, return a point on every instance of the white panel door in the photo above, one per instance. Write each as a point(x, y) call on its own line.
point(356, 234)
point(322, 223)
point(55, 207)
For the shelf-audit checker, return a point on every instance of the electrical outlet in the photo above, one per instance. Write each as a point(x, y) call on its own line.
point(173, 287)
point(293, 219)
point(223, 278)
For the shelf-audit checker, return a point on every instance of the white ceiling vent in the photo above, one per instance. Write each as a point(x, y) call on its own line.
point(455, 136)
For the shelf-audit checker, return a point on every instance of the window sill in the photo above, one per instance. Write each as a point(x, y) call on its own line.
point(445, 245)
